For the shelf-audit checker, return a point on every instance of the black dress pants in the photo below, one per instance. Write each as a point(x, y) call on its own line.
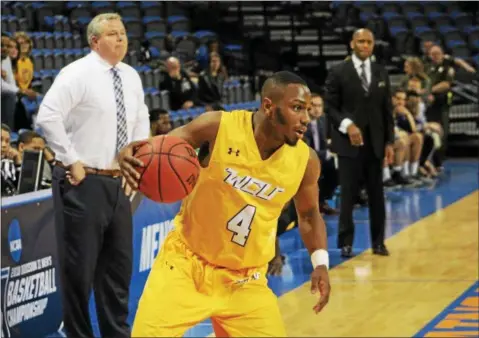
point(94, 228)
point(367, 168)
point(328, 180)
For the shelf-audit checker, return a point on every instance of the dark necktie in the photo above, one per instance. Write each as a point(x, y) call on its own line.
point(364, 79)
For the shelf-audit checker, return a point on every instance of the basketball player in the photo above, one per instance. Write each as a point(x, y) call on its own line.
point(214, 263)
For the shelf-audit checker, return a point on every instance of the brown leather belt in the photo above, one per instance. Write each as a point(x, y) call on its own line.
point(94, 171)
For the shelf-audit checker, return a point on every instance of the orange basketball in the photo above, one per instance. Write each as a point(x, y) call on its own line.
point(171, 168)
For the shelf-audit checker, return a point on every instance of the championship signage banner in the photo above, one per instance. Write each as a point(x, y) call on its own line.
point(30, 280)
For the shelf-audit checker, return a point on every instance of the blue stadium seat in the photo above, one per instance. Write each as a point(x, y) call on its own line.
point(455, 43)
point(59, 59)
point(37, 58)
point(156, 39)
point(128, 8)
point(461, 19)
point(394, 19)
point(152, 8)
point(475, 45)
point(76, 4)
point(82, 21)
point(123, 4)
point(67, 40)
point(178, 23)
point(413, 15)
point(133, 26)
point(49, 42)
point(154, 24)
point(69, 56)
point(475, 58)
point(13, 137)
point(204, 36)
point(77, 41)
point(420, 30)
point(100, 4)
point(366, 16)
point(396, 30)
point(58, 40)
point(155, 99)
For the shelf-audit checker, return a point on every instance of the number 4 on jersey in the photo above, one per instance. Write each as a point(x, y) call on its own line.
point(240, 224)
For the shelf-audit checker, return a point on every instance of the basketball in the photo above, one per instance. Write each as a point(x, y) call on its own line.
point(171, 169)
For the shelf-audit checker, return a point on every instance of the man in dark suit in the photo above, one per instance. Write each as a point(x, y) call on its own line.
point(316, 137)
point(358, 102)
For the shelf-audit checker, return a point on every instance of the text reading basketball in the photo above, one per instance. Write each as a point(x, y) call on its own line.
point(251, 185)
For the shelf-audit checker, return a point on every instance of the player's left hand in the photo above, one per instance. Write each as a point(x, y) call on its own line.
point(128, 162)
point(320, 283)
point(389, 154)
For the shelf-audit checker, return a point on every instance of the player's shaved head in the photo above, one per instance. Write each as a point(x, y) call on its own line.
point(274, 86)
point(358, 33)
point(362, 43)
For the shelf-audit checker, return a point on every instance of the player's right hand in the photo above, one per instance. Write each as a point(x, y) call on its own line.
point(128, 162)
point(320, 283)
point(355, 135)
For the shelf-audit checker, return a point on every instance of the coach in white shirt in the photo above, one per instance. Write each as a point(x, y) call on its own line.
point(94, 108)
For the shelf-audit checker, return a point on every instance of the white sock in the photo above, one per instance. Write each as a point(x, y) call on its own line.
point(386, 174)
point(405, 168)
point(414, 168)
point(397, 168)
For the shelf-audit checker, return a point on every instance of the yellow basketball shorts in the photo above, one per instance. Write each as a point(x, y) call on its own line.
point(182, 290)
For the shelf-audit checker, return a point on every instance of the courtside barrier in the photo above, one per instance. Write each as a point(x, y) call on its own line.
point(30, 283)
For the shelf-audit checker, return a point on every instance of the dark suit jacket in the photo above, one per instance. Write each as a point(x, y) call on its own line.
point(309, 139)
point(346, 98)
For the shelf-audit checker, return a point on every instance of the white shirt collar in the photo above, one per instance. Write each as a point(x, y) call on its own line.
point(358, 62)
point(104, 64)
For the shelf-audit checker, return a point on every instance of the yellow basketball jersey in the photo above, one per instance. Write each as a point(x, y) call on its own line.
point(231, 216)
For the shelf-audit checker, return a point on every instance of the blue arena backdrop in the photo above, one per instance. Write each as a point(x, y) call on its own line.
point(30, 281)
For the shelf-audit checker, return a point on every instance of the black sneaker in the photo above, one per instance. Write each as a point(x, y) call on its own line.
point(401, 180)
point(390, 185)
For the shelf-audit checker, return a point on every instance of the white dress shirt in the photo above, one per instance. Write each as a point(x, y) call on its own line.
point(79, 116)
point(9, 84)
point(357, 62)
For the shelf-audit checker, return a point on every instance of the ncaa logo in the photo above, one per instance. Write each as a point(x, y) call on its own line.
point(15, 240)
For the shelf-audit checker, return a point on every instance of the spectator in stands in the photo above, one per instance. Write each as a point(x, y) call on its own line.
point(204, 52)
point(24, 69)
point(13, 53)
point(401, 146)
point(94, 108)
point(450, 60)
point(160, 123)
point(442, 74)
point(211, 81)
point(431, 133)
point(406, 121)
point(183, 92)
point(413, 67)
point(10, 164)
point(10, 90)
point(316, 137)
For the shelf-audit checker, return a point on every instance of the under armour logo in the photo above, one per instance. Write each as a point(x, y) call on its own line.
point(230, 151)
